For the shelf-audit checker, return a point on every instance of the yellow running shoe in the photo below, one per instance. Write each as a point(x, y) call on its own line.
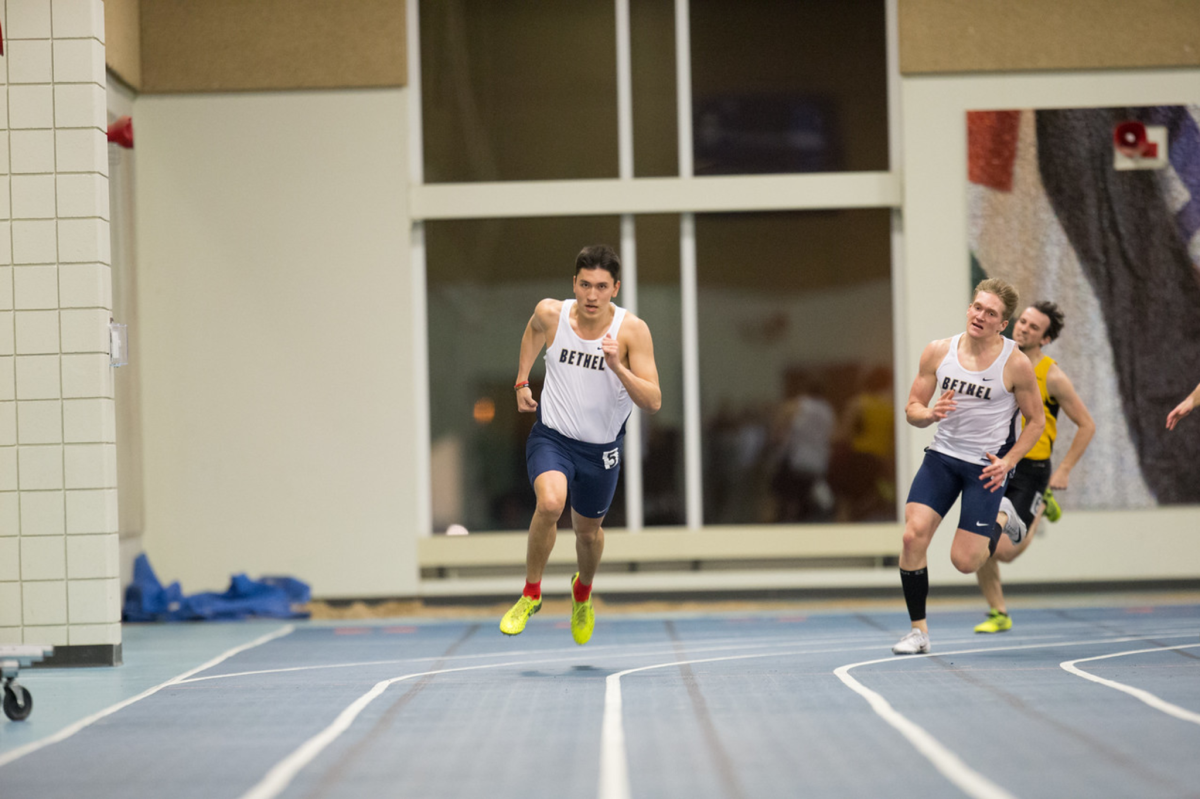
point(514, 621)
point(1053, 510)
point(997, 622)
point(583, 617)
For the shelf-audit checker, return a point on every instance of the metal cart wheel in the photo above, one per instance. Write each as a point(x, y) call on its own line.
point(18, 702)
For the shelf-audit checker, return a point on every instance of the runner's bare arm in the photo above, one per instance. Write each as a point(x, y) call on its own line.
point(917, 411)
point(1184, 408)
point(640, 377)
point(531, 344)
point(1029, 401)
point(1059, 386)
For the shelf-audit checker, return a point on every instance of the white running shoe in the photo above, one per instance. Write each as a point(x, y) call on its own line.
point(1014, 528)
point(915, 643)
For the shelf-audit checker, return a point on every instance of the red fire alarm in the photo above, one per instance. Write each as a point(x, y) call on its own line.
point(121, 132)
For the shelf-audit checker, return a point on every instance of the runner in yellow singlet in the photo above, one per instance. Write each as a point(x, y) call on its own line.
point(1023, 503)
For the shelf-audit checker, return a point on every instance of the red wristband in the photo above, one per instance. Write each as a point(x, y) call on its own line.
point(520, 386)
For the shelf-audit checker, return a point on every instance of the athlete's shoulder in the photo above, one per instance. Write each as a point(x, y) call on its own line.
point(545, 315)
point(932, 355)
point(1019, 369)
point(1019, 359)
point(633, 323)
point(1057, 382)
point(548, 309)
point(937, 348)
point(634, 334)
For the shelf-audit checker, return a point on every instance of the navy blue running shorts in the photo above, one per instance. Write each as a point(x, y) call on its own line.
point(940, 481)
point(591, 469)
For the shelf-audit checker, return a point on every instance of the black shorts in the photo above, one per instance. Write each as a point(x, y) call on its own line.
point(1026, 486)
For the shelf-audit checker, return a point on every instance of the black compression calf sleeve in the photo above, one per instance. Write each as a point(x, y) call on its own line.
point(916, 588)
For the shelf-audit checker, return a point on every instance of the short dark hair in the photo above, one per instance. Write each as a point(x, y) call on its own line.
point(599, 256)
point(1054, 314)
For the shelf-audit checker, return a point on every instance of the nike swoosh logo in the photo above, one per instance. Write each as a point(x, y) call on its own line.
point(985, 379)
point(981, 524)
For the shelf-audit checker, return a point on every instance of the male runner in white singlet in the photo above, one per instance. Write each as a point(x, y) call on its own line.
point(599, 364)
point(984, 380)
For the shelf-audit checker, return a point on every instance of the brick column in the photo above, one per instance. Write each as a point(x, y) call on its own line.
point(59, 577)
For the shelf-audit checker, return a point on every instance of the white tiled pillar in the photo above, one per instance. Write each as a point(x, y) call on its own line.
point(59, 580)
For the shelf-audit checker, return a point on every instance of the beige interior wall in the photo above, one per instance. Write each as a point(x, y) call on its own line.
point(276, 330)
point(234, 45)
point(123, 41)
point(127, 382)
point(970, 36)
point(275, 339)
point(1157, 543)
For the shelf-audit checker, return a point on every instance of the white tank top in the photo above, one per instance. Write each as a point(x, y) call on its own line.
point(582, 398)
point(986, 416)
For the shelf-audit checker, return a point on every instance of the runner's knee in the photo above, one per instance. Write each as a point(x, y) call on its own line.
point(965, 562)
point(915, 539)
point(587, 533)
point(551, 503)
point(969, 552)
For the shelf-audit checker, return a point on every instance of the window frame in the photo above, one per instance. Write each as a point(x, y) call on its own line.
point(627, 196)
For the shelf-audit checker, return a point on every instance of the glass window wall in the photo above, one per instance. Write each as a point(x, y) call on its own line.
point(789, 86)
point(794, 308)
point(485, 277)
point(795, 324)
point(519, 90)
point(663, 502)
point(652, 62)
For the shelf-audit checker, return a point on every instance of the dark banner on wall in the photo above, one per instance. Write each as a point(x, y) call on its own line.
point(1098, 210)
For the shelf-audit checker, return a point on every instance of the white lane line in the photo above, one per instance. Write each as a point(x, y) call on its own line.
point(614, 765)
point(1137, 693)
point(282, 774)
point(67, 732)
point(624, 648)
point(949, 764)
point(724, 643)
point(285, 770)
point(614, 759)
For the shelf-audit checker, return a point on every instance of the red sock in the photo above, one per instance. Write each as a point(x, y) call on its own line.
point(533, 590)
point(580, 591)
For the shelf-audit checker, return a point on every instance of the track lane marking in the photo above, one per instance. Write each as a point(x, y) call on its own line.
point(724, 643)
point(614, 759)
point(281, 775)
point(87, 721)
point(1137, 693)
point(755, 641)
point(952, 767)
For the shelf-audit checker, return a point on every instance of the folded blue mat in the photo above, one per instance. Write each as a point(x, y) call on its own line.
point(269, 597)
